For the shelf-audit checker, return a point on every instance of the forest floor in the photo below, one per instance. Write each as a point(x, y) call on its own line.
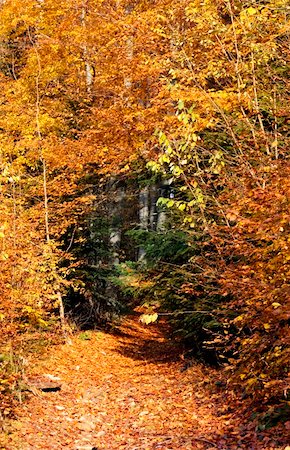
point(128, 391)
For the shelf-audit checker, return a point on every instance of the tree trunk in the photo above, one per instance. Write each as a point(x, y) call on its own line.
point(115, 213)
point(88, 68)
point(143, 216)
point(153, 207)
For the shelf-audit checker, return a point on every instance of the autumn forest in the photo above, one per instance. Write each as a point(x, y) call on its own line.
point(144, 228)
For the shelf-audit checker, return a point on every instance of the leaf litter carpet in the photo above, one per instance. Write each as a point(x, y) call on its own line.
point(118, 391)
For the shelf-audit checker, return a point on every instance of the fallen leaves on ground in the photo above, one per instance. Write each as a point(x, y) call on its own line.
point(123, 391)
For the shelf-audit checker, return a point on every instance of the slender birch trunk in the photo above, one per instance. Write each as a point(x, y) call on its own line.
point(88, 67)
point(144, 209)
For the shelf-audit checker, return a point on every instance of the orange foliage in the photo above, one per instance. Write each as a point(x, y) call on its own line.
point(84, 86)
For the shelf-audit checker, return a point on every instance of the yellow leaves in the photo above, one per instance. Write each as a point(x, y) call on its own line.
point(276, 305)
point(176, 170)
point(125, 169)
point(188, 220)
point(162, 18)
point(239, 318)
point(248, 17)
point(267, 169)
point(217, 162)
point(263, 52)
point(41, 322)
point(274, 144)
point(271, 384)
point(180, 105)
point(204, 14)
point(182, 206)
point(267, 327)
point(251, 381)
point(227, 101)
point(28, 309)
point(170, 203)
point(251, 11)
point(148, 318)
point(154, 166)
point(164, 159)
point(277, 351)
point(34, 316)
point(14, 179)
point(160, 31)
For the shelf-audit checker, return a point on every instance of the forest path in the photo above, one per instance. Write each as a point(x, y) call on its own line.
point(122, 391)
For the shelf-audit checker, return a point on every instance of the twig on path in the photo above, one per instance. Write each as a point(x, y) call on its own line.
point(204, 440)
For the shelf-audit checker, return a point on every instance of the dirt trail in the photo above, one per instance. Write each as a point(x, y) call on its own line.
point(122, 391)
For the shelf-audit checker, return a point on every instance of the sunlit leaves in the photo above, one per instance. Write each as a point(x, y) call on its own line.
point(148, 318)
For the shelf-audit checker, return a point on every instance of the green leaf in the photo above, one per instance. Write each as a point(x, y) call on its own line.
point(180, 105)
